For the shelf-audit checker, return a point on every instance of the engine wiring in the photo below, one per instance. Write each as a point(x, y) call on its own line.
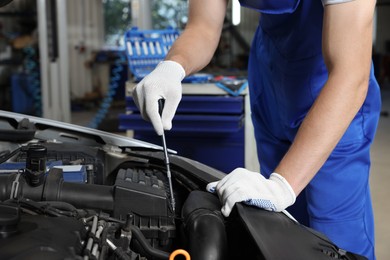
point(6, 156)
point(101, 229)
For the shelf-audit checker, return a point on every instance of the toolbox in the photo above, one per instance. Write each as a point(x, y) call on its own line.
point(146, 48)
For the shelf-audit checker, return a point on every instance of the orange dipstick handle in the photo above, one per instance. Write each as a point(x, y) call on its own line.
point(179, 252)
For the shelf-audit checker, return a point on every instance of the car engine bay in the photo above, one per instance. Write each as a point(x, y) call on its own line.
point(70, 192)
point(63, 198)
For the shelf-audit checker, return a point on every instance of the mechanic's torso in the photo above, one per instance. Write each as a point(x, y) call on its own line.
point(287, 72)
point(294, 26)
point(287, 69)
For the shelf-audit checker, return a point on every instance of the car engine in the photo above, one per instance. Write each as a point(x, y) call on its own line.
point(72, 201)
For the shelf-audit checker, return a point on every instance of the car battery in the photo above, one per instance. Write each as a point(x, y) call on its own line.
point(71, 173)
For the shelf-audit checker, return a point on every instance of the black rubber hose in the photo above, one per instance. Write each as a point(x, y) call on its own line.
point(4, 2)
point(120, 254)
point(55, 189)
point(8, 156)
point(60, 205)
point(204, 227)
point(87, 196)
point(159, 254)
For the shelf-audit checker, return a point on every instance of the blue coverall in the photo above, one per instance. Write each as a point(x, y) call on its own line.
point(286, 73)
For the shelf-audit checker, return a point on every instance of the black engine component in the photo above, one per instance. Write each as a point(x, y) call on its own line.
point(130, 188)
point(133, 186)
point(204, 226)
point(55, 189)
point(277, 236)
point(9, 220)
point(38, 237)
point(36, 165)
point(4, 2)
point(24, 130)
point(138, 192)
point(71, 154)
point(153, 216)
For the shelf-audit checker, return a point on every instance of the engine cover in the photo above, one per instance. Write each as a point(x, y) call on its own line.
point(37, 237)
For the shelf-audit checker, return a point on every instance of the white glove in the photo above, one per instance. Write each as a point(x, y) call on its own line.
point(241, 185)
point(164, 82)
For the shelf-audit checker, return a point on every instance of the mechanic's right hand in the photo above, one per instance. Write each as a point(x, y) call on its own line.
point(164, 82)
point(252, 188)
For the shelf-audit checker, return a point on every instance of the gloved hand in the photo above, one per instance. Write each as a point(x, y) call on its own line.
point(241, 185)
point(164, 82)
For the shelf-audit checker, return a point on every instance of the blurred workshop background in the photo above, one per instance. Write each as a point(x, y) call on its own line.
point(77, 61)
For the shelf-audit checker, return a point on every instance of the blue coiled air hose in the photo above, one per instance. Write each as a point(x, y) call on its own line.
point(31, 68)
point(111, 92)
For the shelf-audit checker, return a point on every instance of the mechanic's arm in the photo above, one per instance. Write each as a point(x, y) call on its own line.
point(191, 52)
point(198, 42)
point(347, 45)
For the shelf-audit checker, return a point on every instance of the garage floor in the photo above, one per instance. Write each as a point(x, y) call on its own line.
point(380, 175)
point(380, 181)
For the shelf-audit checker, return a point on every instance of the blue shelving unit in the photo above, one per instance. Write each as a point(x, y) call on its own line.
point(206, 128)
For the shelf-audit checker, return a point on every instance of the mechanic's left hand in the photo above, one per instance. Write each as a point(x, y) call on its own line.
point(241, 185)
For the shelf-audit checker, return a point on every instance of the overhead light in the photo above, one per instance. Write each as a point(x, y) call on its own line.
point(236, 12)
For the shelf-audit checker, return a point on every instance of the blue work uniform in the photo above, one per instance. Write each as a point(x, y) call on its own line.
point(286, 74)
